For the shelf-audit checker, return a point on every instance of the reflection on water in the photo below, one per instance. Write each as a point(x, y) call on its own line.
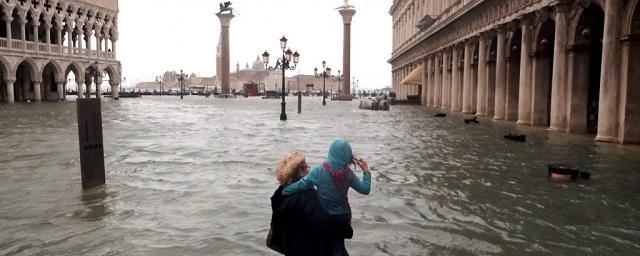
point(95, 204)
point(194, 177)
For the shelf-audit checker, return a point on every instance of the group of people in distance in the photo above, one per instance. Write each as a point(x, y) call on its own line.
point(311, 210)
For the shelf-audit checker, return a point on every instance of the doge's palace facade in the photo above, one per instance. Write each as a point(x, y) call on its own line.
point(569, 65)
point(43, 41)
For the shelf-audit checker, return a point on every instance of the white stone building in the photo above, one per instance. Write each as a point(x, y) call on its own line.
point(43, 41)
point(570, 65)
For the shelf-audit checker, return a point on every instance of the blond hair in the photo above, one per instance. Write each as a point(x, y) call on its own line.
point(288, 166)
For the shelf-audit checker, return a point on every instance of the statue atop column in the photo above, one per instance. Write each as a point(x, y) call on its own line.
point(226, 8)
point(346, 6)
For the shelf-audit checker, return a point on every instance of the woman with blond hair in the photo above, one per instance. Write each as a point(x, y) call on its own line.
point(299, 224)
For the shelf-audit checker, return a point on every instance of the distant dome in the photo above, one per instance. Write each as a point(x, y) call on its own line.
point(257, 64)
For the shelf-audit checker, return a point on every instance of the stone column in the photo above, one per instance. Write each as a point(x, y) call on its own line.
point(98, 45)
point(501, 76)
point(437, 90)
point(559, 76)
point(36, 91)
point(526, 68)
point(70, 39)
point(482, 76)
point(47, 34)
point(225, 22)
point(8, 19)
point(36, 47)
point(113, 47)
point(87, 84)
point(80, 85)
point(115, 89)
point(608, 115)
point(60, 90)
point(446, 81)
point(347, 15)
point(455, 80)
point(430, 83)
point(99, 86)
point(59, 29)
point(87, 40)
point(80, 39)
point(425, 81)
point(467, 87)
point(23, 32)
point(10, 95)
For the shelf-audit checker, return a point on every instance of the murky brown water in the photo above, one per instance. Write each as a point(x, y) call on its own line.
point(195, 177)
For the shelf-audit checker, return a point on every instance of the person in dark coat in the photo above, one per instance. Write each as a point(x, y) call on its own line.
point(299, 223)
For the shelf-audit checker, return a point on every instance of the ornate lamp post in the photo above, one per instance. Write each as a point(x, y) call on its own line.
point(159, 80)
point(283, 64)
point(182, 77)
point(326, 73)
point(337, 79)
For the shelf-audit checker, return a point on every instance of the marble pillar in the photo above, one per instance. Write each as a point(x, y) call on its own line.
point(526, 68)
point(455, 79)
point(501, 76)
point(467, 87)
point(425, 81)
point(482, 77)
point(446, 81)
point(10, 94)
point(430, 83)
point(610, 75)
point(559, 76)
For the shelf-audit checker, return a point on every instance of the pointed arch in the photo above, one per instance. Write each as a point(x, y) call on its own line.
point(59, 75)
point(6, 67)
point(34, 70)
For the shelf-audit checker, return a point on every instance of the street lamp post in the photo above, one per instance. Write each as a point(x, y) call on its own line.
point(324, 74)
point(182, 78)
point(337, 79)
point(159, 80)
point(283, 64)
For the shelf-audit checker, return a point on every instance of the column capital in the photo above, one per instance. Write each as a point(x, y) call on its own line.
point(527, 19)
point(561, 6)
point(347, 14)
point(225, 19)
point(7, 18)
point(10, 80)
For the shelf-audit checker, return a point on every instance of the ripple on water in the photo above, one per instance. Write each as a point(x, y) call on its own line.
point(194, 177)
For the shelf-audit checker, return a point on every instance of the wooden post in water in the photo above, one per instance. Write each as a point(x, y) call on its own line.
point(299, 102)
point(90, 140)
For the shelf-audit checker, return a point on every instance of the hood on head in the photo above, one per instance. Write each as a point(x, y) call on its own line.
point(339, 153)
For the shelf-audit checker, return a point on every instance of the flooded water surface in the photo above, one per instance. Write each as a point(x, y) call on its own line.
point(194, 177)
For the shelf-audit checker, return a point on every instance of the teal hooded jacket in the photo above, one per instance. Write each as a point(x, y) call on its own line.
point(339, 157)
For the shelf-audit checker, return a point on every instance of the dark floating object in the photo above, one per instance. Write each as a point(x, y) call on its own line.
point(472, 120)
point(516, 137)
point(561, 172)
point(441, 115)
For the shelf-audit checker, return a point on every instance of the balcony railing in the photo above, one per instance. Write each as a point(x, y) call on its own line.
point(54, 49)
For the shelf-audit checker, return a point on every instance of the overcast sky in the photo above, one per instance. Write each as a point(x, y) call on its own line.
point(161, 35)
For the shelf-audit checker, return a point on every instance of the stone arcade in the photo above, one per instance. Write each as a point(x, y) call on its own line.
point(570, 65)
point(43, 41)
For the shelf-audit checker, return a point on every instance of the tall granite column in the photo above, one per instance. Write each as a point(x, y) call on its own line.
point(482, 76)
point(225, 21)
point(501, 76)
point(524, 97)
point(610, 75)
point(347, 13)
point(559, 77)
